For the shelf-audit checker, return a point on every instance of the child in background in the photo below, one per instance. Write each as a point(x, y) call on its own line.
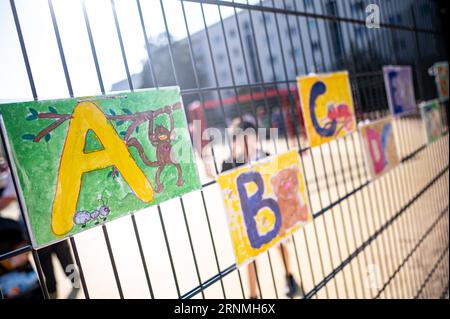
point(244, 150)
point(17, 277)
point(61, 249)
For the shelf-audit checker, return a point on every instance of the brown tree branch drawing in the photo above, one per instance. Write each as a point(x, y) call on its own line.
point(160, 136)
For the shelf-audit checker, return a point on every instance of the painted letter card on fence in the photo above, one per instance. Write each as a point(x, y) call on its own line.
point(379, 146)
point(81, 162)
point(432, 120)
point(398, 81)
point(440, 71)
point(327, 106)
point(265, 203)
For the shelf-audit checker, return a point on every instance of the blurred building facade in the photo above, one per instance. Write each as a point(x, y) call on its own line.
point(251, 47)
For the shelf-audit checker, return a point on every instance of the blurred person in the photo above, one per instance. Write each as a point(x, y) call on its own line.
point(7, 191)
point(61, 250)
point(17, 277)
point(244, 150)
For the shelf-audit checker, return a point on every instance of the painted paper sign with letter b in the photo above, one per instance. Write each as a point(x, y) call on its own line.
point(265, 203)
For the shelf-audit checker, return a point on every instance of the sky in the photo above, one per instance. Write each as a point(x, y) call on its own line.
point(40, 41)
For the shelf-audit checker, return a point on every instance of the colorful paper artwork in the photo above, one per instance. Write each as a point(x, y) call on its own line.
point(327, 106)
point(399, 85)
point(265, 203)
point(81, 162)
point(379, 146)
point(432, 120)
point(440, 71)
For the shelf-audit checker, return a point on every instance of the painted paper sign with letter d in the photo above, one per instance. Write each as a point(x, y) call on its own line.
point(265, 203)
point(379, 146)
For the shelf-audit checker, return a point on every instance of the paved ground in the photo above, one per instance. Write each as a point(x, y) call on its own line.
point(320, 246)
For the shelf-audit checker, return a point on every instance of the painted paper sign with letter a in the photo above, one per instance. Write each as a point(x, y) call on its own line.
point(265, 203)
point(81, 162)
point(327, 106)
point(379, 146)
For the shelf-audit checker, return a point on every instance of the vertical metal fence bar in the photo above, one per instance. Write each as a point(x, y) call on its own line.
point(80, 268)
point(272, 274)
point(147, 45)
point(368, 44)
point(35, 97)
point(192, 247)
point(333, 167)
point(122, 49)
point(369, 96)
point(408, 176)
point(333, 212)
point(355, 66)
point(314, 279)
point(23, 49)
point(141, 253)
point(93, 50)
point(60, 48)
point(236, 92)
point(212, 149)
point(169, 252)
point(216, 258)
point(113, 262)
point(402, 196)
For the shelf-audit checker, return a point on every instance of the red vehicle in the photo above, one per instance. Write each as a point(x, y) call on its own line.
point(265, 105)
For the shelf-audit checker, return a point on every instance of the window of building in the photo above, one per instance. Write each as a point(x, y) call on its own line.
point(295, 52)
point(291, 30)
point(265, 18)
point(315, 45)
point(220, 57)
point(272, 59)
point(359, 31)
point(358, 7)
point(308, 3)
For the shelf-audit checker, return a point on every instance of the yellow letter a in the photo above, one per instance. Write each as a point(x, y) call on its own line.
point(75, 162)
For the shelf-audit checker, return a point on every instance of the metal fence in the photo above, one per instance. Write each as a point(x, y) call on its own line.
point(386, 238)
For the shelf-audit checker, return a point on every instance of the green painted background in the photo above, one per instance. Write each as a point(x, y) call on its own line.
point(37, 163)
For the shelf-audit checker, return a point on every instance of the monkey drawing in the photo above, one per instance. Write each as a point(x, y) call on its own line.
point(285, 186)
point(161, 138)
